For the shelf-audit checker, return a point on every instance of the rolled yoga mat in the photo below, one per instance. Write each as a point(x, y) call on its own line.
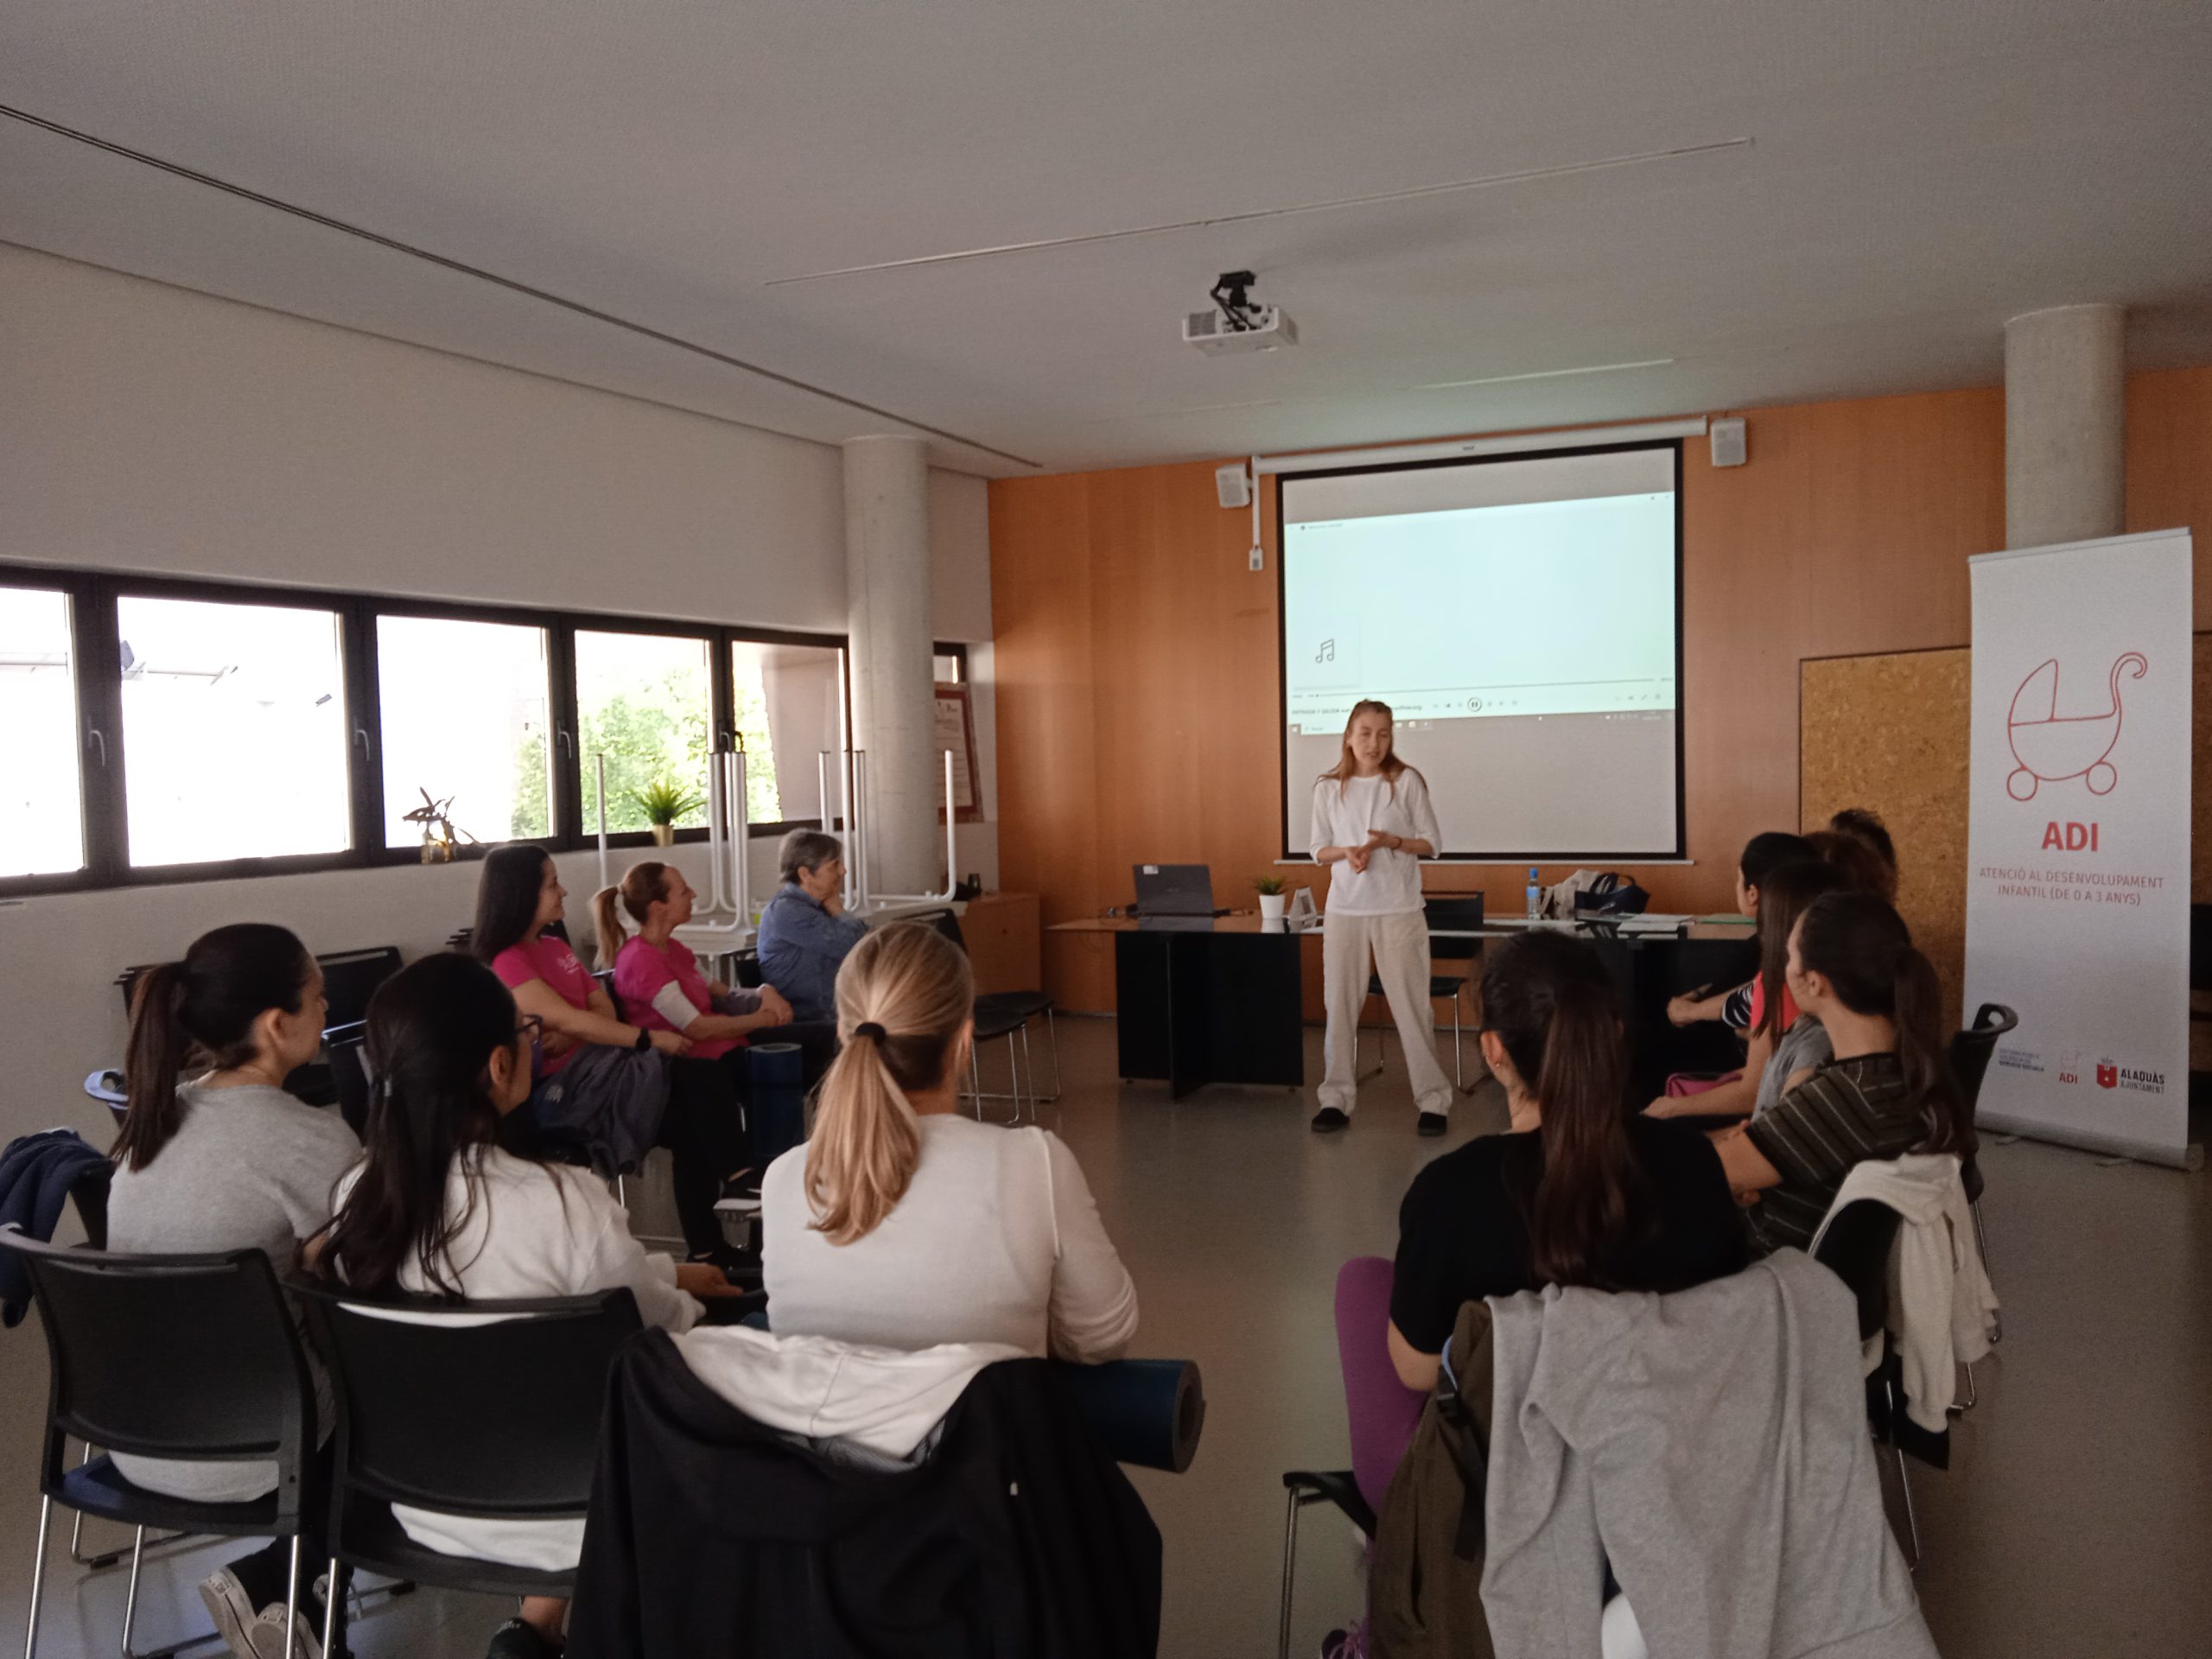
point(1147, 1412)
point(777, 1110)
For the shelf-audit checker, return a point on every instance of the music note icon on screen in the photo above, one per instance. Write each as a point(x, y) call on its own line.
point(1327, 653)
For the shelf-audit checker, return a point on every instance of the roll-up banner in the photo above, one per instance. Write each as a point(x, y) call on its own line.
point(2077, 841)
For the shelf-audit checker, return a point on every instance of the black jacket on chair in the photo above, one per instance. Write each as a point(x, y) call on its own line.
point(712, 1537)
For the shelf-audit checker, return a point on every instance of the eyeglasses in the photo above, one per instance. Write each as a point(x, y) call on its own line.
point(531, 1025)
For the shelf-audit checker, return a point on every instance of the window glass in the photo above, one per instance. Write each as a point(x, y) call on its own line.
point(789, 706)
point(465, 715)
point(234, 731)
point(41, 804)
point(644, 702)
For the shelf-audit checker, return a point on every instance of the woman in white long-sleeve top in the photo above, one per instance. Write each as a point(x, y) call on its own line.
point(902, 1224)
point(1372, 826)
point(436, 1209)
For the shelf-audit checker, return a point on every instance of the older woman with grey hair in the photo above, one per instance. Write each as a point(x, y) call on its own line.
point(804, 935)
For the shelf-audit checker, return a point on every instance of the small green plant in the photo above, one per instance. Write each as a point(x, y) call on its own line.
point(1269, 885)
point(663, 801)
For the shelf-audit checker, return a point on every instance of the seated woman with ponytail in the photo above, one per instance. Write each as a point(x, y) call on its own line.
point(658, 986)
point(600, 1087)
point(215, 1156)
point(1782, 1047)
point(1582, 1191)
point(903, 1224)
point(1887, 1092)
point(436, 1209)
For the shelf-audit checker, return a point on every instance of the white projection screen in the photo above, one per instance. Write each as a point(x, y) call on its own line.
point(1523, 618)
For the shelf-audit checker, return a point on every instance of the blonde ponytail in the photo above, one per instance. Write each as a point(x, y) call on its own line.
point(904, 998)
point(641, 885)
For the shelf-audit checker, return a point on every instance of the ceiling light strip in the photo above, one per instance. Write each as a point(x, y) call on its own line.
point(577, 306)
point(1545, 374)
point(1526, 175)
point(1509, 443)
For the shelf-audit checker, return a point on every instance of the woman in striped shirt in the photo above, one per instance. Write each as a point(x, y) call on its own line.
point(1888, 1092)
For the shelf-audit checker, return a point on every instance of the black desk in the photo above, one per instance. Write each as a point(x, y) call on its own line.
point(1224, 1004)
point(1201, 1005)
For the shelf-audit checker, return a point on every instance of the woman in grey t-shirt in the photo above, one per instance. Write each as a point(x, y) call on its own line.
point(225, 1159)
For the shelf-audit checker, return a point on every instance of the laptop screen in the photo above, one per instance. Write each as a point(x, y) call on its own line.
point(1174, 889)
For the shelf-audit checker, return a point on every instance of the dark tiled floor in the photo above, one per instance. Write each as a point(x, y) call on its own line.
point(2076, 1520)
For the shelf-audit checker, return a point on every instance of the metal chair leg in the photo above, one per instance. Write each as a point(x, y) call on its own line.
point(1052, 1032)
point(1458, 1078)
point(38, 1577)
point(974, 1083)
point(292, 1601)
point(1959, 1407)
point(331, 1597)
point(1289, 1575)
point(1029, 1064)
point(131, 1597)
point(1905, 1483)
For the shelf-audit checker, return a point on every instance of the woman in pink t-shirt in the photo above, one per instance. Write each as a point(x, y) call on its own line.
point(603, 1087)
point(657, 984)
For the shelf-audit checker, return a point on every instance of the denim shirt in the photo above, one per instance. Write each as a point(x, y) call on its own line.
point(801, 946)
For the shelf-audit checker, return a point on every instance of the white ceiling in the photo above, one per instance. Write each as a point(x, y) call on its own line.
point(1920, 170)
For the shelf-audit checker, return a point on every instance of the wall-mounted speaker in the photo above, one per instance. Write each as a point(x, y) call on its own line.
point(1728, 447)
point(1231, 485)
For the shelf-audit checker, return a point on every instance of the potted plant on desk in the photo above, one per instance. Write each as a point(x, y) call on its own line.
point(663, 803)
point(1271, 897)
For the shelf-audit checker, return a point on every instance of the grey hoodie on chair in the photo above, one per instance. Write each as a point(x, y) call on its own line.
point(1712, 1446)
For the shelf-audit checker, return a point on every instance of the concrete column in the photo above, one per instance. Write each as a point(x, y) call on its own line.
point(887, 601)
point(2065, 425)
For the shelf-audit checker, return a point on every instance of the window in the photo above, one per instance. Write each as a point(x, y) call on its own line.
point(466, 711)
point(156, 731)
point(950, 664)
point(787, 707)
point(644, 701)
point(41, 799)
point(233, 731)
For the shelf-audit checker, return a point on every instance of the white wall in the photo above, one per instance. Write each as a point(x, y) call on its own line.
point(149, 428)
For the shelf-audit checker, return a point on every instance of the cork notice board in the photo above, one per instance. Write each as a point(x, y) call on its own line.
point(1890, 733)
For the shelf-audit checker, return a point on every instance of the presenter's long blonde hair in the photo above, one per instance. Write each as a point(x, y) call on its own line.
point(910, 984)
point(1347, 768)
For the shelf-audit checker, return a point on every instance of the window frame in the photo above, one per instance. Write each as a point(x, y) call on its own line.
point(95, 647)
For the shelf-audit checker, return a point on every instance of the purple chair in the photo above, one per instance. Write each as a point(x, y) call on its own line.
point(1381, 1411)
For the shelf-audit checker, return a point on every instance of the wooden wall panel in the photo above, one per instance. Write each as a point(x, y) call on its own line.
point(2170, 466)
point(1138, 696)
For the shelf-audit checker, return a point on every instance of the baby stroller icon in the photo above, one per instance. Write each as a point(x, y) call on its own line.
point(2050, 749)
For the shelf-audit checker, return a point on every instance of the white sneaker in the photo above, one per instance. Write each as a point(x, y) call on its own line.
point(267, 1634)
point(233, 1611)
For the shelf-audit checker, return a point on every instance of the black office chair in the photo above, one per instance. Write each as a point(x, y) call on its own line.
point(406, 1436)
point(193, 1357)
point(1006, 1016)
point(1855, 1245)
point(1456, 912)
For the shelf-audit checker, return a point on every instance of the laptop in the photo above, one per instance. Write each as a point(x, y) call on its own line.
point(1174, 894)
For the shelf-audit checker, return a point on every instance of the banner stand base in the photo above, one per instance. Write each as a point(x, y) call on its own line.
point(2190, 1156)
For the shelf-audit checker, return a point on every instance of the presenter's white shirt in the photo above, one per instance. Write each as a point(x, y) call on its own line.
point(1390, 885)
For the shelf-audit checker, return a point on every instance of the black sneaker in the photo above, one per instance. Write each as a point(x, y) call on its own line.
point(518, 1640)
point(1432, 1123)
point(1329, 1120)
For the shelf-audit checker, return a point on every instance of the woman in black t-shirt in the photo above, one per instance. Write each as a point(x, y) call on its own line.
point(1582, 1191)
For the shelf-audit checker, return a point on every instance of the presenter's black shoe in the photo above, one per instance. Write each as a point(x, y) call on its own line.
point(1432, 1123)
point(1328, 1120)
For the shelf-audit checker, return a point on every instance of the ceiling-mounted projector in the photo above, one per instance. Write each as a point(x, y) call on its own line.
point(1236, 323)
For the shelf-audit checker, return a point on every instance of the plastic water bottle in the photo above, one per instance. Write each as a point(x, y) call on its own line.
point(1535, 894)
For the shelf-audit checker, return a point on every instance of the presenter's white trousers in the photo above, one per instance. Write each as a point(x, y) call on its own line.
point(1399, 945)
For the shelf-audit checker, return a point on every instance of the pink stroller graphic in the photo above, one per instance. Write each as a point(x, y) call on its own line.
point(2050, 749)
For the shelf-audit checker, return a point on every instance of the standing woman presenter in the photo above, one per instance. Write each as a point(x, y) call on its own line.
point(1372, 825)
